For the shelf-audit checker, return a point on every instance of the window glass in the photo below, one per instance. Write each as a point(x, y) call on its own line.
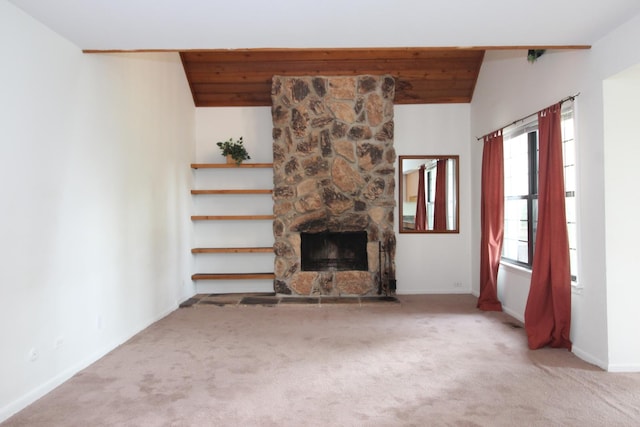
point(515, 230)
point(516, 160)
point(521, 199)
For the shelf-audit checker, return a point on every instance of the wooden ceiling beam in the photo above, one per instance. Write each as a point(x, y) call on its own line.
point(416, 48)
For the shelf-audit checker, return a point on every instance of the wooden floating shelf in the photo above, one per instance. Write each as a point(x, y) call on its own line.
point(230, 217)
point(267, 249)
point(230, 165)
point(232, 191)
point(232, 276)
point(233, 250)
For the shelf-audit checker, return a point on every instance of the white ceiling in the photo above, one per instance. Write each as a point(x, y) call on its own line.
point(214, 24)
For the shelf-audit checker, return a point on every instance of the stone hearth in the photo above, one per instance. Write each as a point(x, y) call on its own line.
point(333, 172)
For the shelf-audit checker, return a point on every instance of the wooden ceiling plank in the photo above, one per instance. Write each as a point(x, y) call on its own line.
point(266, 77)
point(243, 87)
point(243, 77)
point(477, 73)
point(235, 97)
point(250, 55)
point(194, 94)
point(325, 68)
point(339, 54)
point(410, 84)
point(435, 92)
point(234, 103)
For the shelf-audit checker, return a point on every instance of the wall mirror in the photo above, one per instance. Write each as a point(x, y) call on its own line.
point(429, 187)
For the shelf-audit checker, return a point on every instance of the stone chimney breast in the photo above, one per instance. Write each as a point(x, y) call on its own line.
point(333, 172)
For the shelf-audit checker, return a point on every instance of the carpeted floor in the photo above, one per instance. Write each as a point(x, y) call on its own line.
point(431, 360)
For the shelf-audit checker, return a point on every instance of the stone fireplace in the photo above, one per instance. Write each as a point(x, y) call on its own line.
point(334, 178)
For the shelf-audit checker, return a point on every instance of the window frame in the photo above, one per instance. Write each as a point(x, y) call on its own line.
point(531, 197)
point(530, 127)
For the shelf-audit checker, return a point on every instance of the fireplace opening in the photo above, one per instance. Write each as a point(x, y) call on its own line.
point(328, 251)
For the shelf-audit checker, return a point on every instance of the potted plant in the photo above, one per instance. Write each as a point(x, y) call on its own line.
point(234, 151)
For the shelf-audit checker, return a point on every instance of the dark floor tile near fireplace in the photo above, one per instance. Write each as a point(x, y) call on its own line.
point(272, 300)
point(299, 300)
point(338, 300)
point(266, 301)
point(189, 302)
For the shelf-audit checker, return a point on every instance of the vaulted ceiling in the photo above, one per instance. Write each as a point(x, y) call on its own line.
point(243, 77)
point(230, 49)
point(250, 24)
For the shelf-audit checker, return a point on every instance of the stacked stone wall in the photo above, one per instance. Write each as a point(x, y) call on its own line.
point(333, 171)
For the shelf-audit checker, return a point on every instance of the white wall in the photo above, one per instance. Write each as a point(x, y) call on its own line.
point(621, 94)
point(431, 263)
point(611, 55)
point(435, 263)
point(508, 88)
point(94, 179)
point(254, 124)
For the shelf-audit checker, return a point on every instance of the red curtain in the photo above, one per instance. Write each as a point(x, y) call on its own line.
point(440, 202)
point(421, 205)
point(548, 311)
point(491, 221)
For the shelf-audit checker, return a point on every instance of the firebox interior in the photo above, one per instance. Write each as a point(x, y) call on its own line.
point(334, 251)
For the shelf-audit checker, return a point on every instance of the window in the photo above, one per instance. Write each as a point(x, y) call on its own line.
point(431, 191)
point(521, 189)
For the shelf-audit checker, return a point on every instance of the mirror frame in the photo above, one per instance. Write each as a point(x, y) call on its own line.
point(401, 228)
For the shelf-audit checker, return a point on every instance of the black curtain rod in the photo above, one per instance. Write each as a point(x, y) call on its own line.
point(568, 98)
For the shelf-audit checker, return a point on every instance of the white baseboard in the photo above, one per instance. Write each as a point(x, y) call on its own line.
point(613, 367)
point(589, 358)
point(513, 314)
point(57, 380)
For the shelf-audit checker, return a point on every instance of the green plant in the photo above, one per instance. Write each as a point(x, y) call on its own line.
point(235, 149)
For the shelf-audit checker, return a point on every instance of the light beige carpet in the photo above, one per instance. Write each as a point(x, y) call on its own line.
point(426, 361)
